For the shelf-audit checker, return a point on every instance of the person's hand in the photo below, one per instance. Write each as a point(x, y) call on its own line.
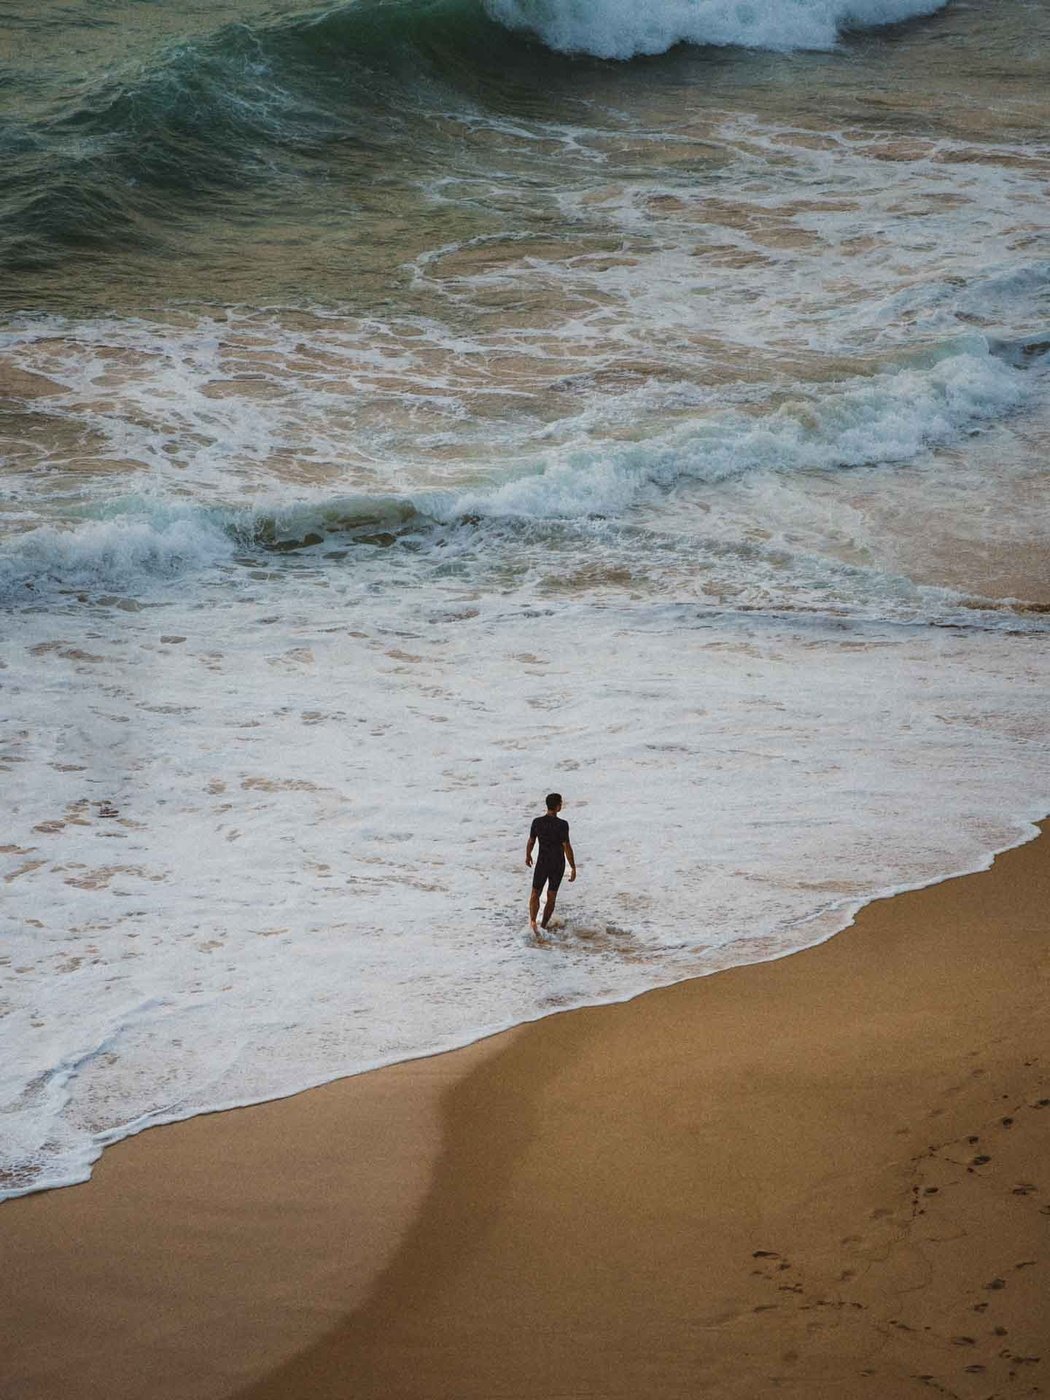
point(572, 874)
point(528, 861)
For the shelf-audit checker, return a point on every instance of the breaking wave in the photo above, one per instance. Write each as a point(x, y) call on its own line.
point(889, 417)
point(623, 29)
point(125, 162)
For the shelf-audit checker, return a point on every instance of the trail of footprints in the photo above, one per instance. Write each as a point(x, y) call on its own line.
point(1011, 1367)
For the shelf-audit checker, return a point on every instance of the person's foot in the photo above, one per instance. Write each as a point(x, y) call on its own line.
point(534, 926)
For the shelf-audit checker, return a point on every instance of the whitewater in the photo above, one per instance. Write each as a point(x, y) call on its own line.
point(620, 29)
point(409, 409)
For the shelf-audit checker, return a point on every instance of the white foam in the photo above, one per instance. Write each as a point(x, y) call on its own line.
point(805, 255)
point(888, 418)
point(110, 554)
point(277, 838)
point(623, 29)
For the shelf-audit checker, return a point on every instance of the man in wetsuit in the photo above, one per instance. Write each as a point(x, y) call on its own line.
point(553, 835)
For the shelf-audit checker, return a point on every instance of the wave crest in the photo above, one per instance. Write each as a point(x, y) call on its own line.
point(624, 29)
point(111, 554)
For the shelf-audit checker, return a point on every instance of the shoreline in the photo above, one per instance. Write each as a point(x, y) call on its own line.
point(195, 1250)
point(1032, 827)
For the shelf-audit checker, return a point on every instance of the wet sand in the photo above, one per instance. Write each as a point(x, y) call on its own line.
point(827, 1176)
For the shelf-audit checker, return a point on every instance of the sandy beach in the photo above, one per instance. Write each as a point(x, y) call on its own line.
point(819, 1177)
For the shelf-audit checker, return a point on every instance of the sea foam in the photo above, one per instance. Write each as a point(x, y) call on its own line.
point(891, 416)
point(112, 554)
point(623, 29)
point(274, 836)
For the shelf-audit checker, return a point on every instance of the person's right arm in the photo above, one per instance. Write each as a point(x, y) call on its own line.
point(567, 848)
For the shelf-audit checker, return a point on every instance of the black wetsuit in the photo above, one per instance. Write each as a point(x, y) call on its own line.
point(551, 832)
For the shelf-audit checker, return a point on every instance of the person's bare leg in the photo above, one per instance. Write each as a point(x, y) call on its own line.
point(548, 908)
point(534, 909)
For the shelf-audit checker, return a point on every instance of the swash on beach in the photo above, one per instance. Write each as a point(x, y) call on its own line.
point(413, 407)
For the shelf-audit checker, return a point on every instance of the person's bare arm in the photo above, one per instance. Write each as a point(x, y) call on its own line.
point(567, 848)
point(528, 850)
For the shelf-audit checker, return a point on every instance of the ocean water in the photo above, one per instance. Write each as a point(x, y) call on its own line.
point(412, 406)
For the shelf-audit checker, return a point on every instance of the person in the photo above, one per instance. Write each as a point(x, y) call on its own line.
point(552, 833)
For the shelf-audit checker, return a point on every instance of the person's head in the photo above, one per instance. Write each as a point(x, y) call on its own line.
point(554, 802)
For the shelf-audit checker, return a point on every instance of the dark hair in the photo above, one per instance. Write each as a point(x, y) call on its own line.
point(553, 800)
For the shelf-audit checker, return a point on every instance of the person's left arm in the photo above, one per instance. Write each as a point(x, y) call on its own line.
point(566, 846)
